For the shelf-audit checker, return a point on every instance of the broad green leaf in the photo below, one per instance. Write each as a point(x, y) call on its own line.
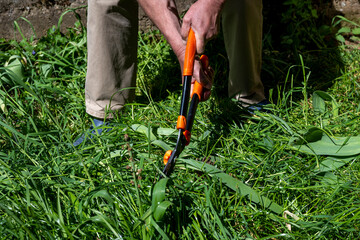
point(161, 209)
point(145, 130)
point(340, 38)
point(235, 185)
point(333, 163)
point(314, 13)
point(339, 146)
point(162, 144)
point(158, 193)
point(46, 70)
point(344, 30)
point(158, 205)
point(14, 68)
point(356, 31)
point(149, 156)
point(319, 98)
point(318, 104)
point(331, 179)
point(355, 38)
point(166, 131)
point(313, 134)
point(17, 76)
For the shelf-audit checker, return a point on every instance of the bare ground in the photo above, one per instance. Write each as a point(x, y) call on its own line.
point(43, 14)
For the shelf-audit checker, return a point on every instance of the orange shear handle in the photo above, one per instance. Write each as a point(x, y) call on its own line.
point(190, 52)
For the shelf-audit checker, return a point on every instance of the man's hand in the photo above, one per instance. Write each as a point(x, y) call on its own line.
point(206, 75)
point(203, 76)
point(203, 17)
point(164, 14)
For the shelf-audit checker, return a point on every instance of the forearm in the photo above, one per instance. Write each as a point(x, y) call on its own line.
point(164, 15)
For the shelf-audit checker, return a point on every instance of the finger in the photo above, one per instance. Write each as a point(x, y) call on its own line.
point(206, 79)
point(206, 94)
point(203, 76)
point(185, 28)
point(205, 82)
point(211, 73)
point(200, 43)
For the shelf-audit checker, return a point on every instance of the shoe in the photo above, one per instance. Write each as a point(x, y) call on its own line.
point(96, 129)
point(260, 107)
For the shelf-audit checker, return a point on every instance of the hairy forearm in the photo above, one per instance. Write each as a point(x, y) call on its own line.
point(164, 15)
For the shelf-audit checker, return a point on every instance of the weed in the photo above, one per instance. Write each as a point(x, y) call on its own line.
point(292, 173)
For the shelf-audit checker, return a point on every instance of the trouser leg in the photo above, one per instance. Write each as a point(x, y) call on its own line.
point(242, 28)
point(112, 27)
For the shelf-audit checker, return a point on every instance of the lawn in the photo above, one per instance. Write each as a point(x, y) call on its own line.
point(291, 173)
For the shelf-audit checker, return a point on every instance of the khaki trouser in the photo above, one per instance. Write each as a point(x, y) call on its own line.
point(242, 27)
point(112, 48)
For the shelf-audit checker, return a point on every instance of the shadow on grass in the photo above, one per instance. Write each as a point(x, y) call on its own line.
point(284, 40)
point(290, 32)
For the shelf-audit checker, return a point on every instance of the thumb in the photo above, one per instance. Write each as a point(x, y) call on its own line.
point(185, 28)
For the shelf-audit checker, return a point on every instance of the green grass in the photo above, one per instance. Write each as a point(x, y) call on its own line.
point(242, 177)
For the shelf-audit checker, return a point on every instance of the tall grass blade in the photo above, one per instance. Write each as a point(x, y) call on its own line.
point(17, 220)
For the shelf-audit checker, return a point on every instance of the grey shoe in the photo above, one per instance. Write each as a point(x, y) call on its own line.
point(97, 128)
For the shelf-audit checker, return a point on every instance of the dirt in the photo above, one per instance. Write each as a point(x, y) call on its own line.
point(349, 8)
point(43, 14)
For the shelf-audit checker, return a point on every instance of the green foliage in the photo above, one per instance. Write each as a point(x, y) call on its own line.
point(351, 30)
point(302, 31)
point(292, 173)
point(158, 69)
point(300, 28)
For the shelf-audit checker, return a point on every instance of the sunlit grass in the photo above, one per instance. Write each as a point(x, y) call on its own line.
point(105, 189)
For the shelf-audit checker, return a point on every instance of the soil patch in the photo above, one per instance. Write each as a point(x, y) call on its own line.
point(43, 14)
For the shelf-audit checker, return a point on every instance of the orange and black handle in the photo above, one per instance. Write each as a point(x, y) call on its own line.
point(195, 99)
point(184, 124)
point(190, 52)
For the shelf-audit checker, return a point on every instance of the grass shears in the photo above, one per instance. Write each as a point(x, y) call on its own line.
point(186, 118)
